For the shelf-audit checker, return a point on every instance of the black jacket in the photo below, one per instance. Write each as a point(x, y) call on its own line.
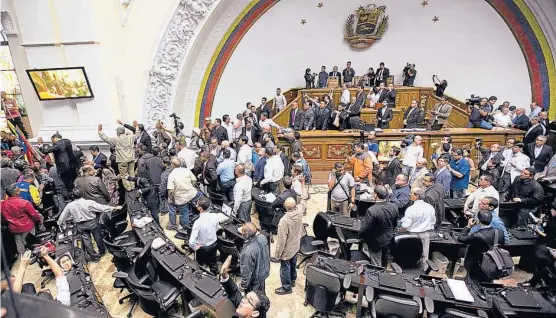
point(145, 138)
point(209, 172)
point(486, 155)
point(521, 122)
point(391, 97)
point(93, 189)
point(256, 131)
point(321, 118)
point(286, 163)
point(8, 177)
point(384, 116)
point(385, 75)
point(415, 118)
point(295, 123)
point(393, 169)
point(383, 95)
point(378, 226)
point(339, 74)
point(477, 244)
point(254, 261)
point(220, 133)
point(434, 195)
point(63, 155)
point(150, 167)
point(531, 136)
point(542, 160)
point(281, 198)
point(529, 191)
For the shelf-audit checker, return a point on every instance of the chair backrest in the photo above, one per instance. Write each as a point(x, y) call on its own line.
point(142, 291)
point(116, 250)
point(407, 250)
point(143, 263)
point(392, 306)
point(265, 211)
point(323, 288)
point(216, 198)
point(119, 215)
point(226, 246)
point(321, 226)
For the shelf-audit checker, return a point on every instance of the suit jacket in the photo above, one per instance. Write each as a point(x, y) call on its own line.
point(443, 112)
point(434, 195)
point(355, 108)
point(545, 123)
point(267, 108)
point(444, 178)
point(390, 97)
point(144, 138)
point(486, 155)
point(295, 123)
point(220, 133)
point(393, 169)
point(385, 75)
point(255, 131)
point(321, 118)
point(521, 122)
point(339, 74)
point(531, 136)
point(414, 118)
point(63, 155)
point(93, 189)
point(383, 95)
point(209, 171)
point(542, 159)
point(383, 117)
point(307, 119)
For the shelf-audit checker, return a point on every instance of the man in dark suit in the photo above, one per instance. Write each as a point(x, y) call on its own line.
point(382, 93)
point(414, 115)
point(336, 73)
point(531, 135)
point(521, 121)
point(322, 115)
point(144, 137)
point(288, 192)
point(218, 131)
point(354, 109)
point(295, 117)
point(434, 195)
point(209, 176)
point(539, 153)
point(384, 116)
point(393, 168)
point(382, 74)
point(478, 243)
point(391, 95)
point(252, 131)
point(66, 163)
point(494, 152)
point(543, 120)
point(307, 117)
point(443, 175)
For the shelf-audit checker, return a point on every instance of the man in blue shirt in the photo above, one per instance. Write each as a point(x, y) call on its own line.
point(460, 170)
point(225, 171)
point(491, 204)
point(373, 145)
point(97, 156)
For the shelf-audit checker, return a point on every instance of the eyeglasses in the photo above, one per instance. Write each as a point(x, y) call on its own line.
point(249, 301)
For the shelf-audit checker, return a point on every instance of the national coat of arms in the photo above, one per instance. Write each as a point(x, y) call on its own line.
point(366, 26)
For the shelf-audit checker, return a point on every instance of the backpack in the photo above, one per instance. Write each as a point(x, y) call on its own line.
point(497, 262)
point(307, 173)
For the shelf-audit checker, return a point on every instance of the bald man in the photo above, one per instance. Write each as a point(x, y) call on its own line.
point(418, 173)
point(290, 230)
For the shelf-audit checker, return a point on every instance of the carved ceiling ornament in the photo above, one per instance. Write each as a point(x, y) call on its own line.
point(165, 73)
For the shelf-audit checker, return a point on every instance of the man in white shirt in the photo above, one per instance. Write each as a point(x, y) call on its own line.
point(187, 155)
point(279, 101)
point(345, 98)
point(503, 118)
point(471, 206)
point(242, 194)
point(273, 171)
point(181, 191)
point(512, 166)
point(238, 126)
point(535, 110)
point(245, 154)
point(203, 236)
point(227, 123)
point(266, 122)
point(413, 153)
point(419, 219)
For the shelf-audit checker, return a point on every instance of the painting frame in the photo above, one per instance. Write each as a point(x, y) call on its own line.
point(54, 69)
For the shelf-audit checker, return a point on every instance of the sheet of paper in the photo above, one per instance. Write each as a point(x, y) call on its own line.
point(460, 291)
point(226, 209)
point(269, 197)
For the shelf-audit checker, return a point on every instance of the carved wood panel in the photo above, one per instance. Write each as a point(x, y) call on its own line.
point(338, 151)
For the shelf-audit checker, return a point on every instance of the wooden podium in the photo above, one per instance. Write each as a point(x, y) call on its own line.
point(333, 82)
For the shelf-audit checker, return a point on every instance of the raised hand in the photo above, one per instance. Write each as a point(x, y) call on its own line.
point(119, 122)
point(99, 127)
point(135, 123)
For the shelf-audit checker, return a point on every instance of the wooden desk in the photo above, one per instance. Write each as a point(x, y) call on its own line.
point(323, 148)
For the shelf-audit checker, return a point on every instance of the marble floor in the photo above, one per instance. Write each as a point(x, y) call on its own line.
point(286, 306)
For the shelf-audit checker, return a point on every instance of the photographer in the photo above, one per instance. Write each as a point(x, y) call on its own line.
point(342, 189)
point(62, 286)
point(479, 114)
point(309, 78)
point(409, 74)
point(440, 86)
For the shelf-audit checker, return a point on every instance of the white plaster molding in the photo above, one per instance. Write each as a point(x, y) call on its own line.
point(172, 51)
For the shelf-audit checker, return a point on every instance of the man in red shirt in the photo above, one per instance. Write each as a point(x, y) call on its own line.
point(20, 216)
point(12, 112)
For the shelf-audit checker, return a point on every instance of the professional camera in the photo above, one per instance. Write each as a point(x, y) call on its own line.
point(178, 126)
point(408, 140)
point(36, 253)
point(473, 100)
point(478, 142)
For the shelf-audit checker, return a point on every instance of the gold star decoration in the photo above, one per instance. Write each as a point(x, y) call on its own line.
point(320, 5)
point(424, 3)
point(435, 19)
point(303, 21)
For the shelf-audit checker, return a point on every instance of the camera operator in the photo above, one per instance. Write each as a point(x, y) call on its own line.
point(309, 79)
point(62, 286)
point(409, 74)
point(440, 85)
point(479, 114)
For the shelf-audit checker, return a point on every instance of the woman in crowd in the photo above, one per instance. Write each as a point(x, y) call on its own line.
point(110, 180)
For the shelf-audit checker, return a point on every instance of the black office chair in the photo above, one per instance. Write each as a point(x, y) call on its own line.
point(323, 290)
point(309, 245)
point(228, 247)
point(507, 211)
point(346, 251)
point(497, 311)
point(216, 198)
point(406, 251)
point(114, 230)
point(266, 216)
point(385, 305)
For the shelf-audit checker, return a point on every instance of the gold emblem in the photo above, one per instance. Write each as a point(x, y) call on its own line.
point(366, 26)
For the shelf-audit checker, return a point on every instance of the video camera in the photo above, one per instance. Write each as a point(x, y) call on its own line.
point(473, 100)
point(408, 140)
point(178, 126)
